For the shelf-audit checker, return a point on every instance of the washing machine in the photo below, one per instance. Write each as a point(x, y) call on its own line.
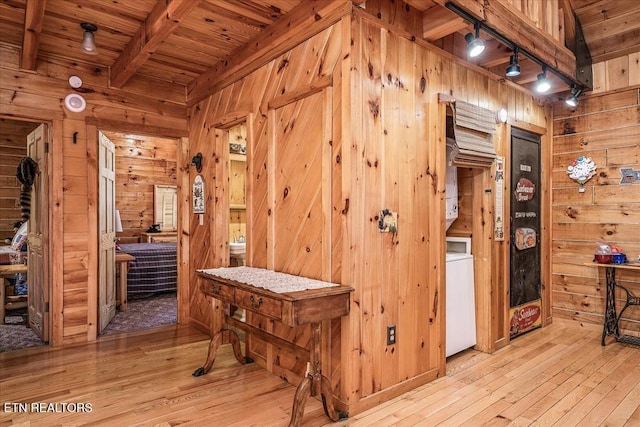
point(460, 296)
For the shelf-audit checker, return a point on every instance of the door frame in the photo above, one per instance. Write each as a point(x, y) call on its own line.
point(52, 244)
point(182, 255)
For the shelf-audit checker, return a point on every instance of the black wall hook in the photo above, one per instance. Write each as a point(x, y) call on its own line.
point(197, 161)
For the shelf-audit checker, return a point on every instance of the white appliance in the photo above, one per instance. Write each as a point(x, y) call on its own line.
point(451, 188)
point(460, 296)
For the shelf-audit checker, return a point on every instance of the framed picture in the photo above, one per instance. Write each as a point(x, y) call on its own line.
point(198, 195)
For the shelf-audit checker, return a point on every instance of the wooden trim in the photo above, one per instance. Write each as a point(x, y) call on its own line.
point(56, 242)
point(387, 394)
point(184, 193)
point(138, 128)
point(301, 23)
point(249, 188)
point(162, 21)
point(293, 96)
point(92, 232)
point(526, 126)
point(33, 17)
point(232, 118)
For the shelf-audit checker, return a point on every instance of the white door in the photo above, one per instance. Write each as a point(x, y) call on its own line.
point(38, 267)
point(107, 233)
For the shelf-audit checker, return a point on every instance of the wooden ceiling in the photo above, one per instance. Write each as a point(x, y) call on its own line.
point(135, 36)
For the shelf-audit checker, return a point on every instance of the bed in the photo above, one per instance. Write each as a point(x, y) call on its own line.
point(154, 270)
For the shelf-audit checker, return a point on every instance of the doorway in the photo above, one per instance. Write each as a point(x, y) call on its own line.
point(24, 226)
point(525, 283)
point(144, 239)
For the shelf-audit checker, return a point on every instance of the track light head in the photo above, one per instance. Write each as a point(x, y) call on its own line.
point(513, 69)
point(543, 85)
point(475, 46)
point(572, 100)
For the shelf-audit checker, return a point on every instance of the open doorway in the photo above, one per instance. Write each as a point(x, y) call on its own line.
point(143, 283)
point(24, 226)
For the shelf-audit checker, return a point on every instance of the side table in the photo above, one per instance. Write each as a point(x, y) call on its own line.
point(611, 315)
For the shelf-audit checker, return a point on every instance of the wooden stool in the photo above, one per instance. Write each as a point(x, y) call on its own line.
point(10, 302)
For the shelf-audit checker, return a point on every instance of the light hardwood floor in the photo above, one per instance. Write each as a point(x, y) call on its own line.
point(559, 376)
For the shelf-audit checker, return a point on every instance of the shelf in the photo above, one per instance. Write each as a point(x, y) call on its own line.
point(237, 207)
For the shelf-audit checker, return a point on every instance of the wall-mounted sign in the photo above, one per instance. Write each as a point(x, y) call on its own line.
point(629, 176)
point(198, 195)
point(525, 238)
point(525, 190)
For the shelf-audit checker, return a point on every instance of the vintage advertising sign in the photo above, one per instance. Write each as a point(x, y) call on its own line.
point(525, 317)
point(525, 190)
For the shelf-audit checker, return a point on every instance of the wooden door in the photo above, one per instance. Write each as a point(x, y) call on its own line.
point(525, 284)
point(107, 234)
point(38, 265)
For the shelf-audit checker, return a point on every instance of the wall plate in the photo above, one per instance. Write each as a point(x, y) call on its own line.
point(75, 103)
point(75, 82)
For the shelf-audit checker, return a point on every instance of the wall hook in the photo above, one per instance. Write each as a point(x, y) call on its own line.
point(197, 161)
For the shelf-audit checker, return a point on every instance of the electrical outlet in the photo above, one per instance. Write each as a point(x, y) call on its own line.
point(391, 334)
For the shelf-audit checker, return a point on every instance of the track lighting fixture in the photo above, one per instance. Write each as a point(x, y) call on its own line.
point(543, 84)
point(88, 41)
point(572, 100)
point(513, 69)
point(475, 46)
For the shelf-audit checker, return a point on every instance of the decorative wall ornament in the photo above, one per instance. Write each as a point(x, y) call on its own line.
point(629, 175)
point(581, 170)
point(388, 222)
point(198, 195)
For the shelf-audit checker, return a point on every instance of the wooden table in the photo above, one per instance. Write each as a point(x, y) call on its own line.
point(293, 308)
point(7, 270)
point(611, 315)
point(163, 236)
point(122, 264)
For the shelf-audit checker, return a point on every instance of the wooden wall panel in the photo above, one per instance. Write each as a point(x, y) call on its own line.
point(13, 147)
point(143, 107)
point(606, 127)
point(616, 73)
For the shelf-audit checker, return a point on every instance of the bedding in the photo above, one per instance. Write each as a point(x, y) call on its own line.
point(154, 270)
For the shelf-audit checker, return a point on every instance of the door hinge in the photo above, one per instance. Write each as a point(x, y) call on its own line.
point(46, 147)
point(46, 307)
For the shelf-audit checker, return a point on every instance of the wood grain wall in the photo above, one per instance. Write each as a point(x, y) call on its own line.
point(358, 105)
point(606, 127)
point(143, 106)
point(13, 147)
point(141, 162)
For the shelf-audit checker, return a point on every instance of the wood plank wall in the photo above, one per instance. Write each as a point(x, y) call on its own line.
point(142, 161)
point(606, 127)
point(13, 147)
point(143, 106)
point(386, 135)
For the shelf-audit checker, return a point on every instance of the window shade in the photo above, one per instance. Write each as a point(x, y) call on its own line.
point(473, 129)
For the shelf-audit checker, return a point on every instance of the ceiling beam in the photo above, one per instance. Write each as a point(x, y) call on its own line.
point(301, 23)
point(514, 26)
point(162, 21)
point(33, 17)
point(439, 22)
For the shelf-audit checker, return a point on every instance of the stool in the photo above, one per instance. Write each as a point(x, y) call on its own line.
point(10, 302)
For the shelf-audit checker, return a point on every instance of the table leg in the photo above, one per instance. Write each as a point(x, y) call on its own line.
point(610, 326)
point(2, 299)
point(313, 384)
point(124, 271)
